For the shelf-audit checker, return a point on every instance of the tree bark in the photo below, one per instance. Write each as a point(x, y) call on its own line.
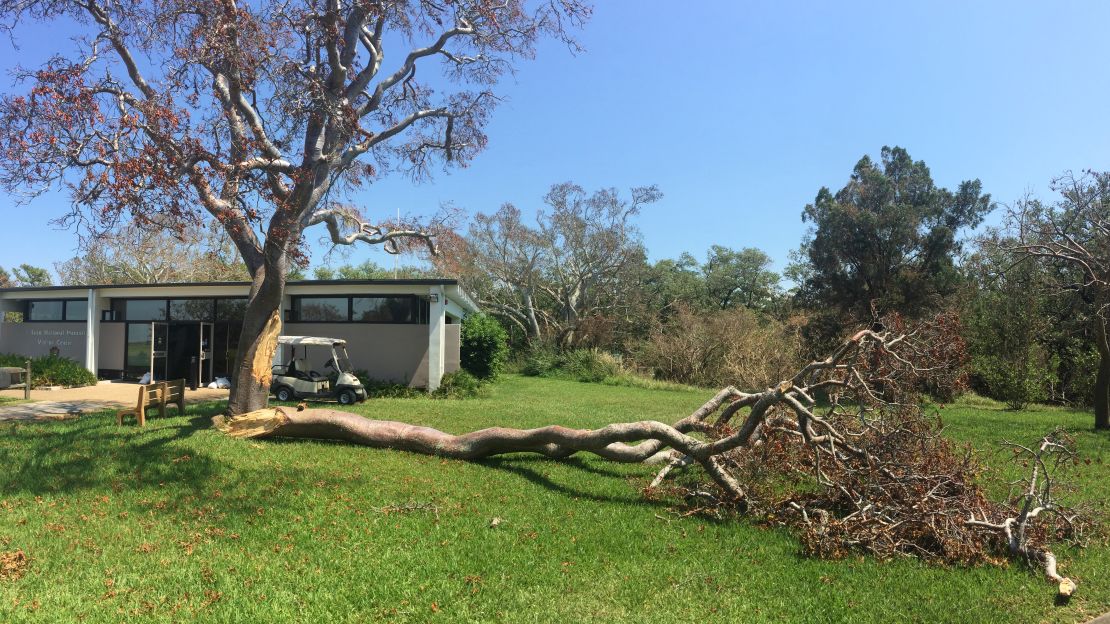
point(612, 442)
point(1102, 380)
point(262, 325)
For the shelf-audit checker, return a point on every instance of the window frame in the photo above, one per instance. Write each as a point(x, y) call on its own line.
point(421, 301)
point(65, 305)
point(295, 303)
point(122, 301)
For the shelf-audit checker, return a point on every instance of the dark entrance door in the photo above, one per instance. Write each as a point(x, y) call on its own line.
point(204, 363)
point(183, 343)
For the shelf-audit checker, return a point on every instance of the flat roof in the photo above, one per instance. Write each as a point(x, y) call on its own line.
point(331, 282)
point(455, 293)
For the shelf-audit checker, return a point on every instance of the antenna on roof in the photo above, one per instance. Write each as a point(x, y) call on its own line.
point(395, 255)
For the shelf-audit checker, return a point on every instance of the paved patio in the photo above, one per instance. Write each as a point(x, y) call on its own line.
point(48, 405)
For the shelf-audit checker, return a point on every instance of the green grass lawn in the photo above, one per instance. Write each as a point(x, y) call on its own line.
point(179, 522)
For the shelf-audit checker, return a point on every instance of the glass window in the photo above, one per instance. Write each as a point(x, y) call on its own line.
point(230, 309)
point(386, 309)
point(145, 310)
point(77, 310)
point(138, 347)
point(320, 309)
point(190, 309)
point(45, 310)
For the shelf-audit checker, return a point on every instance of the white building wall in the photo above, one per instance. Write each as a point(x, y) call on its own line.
point(437, 334)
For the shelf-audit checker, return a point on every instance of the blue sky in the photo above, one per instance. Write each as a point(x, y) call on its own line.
point(741, 111)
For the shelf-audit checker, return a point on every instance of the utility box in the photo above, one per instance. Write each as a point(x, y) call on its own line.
point(10, 376)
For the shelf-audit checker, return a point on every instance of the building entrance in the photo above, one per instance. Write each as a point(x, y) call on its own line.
point(189, 352)
point(177, 351)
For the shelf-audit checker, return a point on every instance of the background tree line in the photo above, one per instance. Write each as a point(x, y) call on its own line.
point(1028, 297)
point(1023, 307)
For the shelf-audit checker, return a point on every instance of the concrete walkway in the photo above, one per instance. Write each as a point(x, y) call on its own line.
point(47, 405)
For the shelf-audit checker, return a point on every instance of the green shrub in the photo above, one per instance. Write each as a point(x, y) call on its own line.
point(1076, 369)
point(590, 365)
point(539, 361)
point(52, 370)
point(484, 346)
point(378, 389)
point(459, 385)
point(1017, 382)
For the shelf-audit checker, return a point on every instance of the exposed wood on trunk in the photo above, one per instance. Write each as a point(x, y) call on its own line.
point(264, 348)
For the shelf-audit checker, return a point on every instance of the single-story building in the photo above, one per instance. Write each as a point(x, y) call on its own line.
point(403, 331)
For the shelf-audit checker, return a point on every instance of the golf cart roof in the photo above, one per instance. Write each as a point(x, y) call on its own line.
point(298, 341)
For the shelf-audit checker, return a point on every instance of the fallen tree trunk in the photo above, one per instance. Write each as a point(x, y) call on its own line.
point(887, 482)
point(610, 442)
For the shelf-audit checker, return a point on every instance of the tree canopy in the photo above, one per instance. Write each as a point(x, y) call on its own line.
point(1072, 237)
point(741, 278)
point(888, 238)
point(138, 255)
point(262, 116)
point(550, 278)
point(25, 275)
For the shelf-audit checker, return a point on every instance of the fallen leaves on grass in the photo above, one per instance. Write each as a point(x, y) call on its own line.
point(13, 564)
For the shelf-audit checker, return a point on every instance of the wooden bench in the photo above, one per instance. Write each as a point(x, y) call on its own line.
point(158, 396)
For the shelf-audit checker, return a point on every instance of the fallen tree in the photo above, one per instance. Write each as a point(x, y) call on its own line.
point(843, 451)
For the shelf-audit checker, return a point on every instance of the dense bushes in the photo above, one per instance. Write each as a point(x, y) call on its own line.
point(1008, 324)
point(378, 389)
point(456, 385)
point(51, 370)
point(737, 347)
point(484, 346)
point(589, 365)
point(1015, 382)
point(725, 347)
point(459, 385)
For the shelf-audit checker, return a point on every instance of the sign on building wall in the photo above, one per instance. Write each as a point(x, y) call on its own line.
point(35, 339)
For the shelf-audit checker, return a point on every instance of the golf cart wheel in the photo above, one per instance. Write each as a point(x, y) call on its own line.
point(347, 397)
point(284, 394)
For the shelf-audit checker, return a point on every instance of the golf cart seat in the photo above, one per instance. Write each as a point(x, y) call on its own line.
point(300, 369)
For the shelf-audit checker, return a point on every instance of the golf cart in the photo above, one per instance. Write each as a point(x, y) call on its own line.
point(297, 380)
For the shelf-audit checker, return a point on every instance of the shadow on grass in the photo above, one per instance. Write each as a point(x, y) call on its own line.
point(94, 453)
point(522, 466)
point(158, 470)
point(527, 467)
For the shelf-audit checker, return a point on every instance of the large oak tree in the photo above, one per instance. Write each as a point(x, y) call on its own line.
point(262, 116)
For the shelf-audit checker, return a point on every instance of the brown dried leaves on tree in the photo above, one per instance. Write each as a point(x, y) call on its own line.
point(843, 451)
